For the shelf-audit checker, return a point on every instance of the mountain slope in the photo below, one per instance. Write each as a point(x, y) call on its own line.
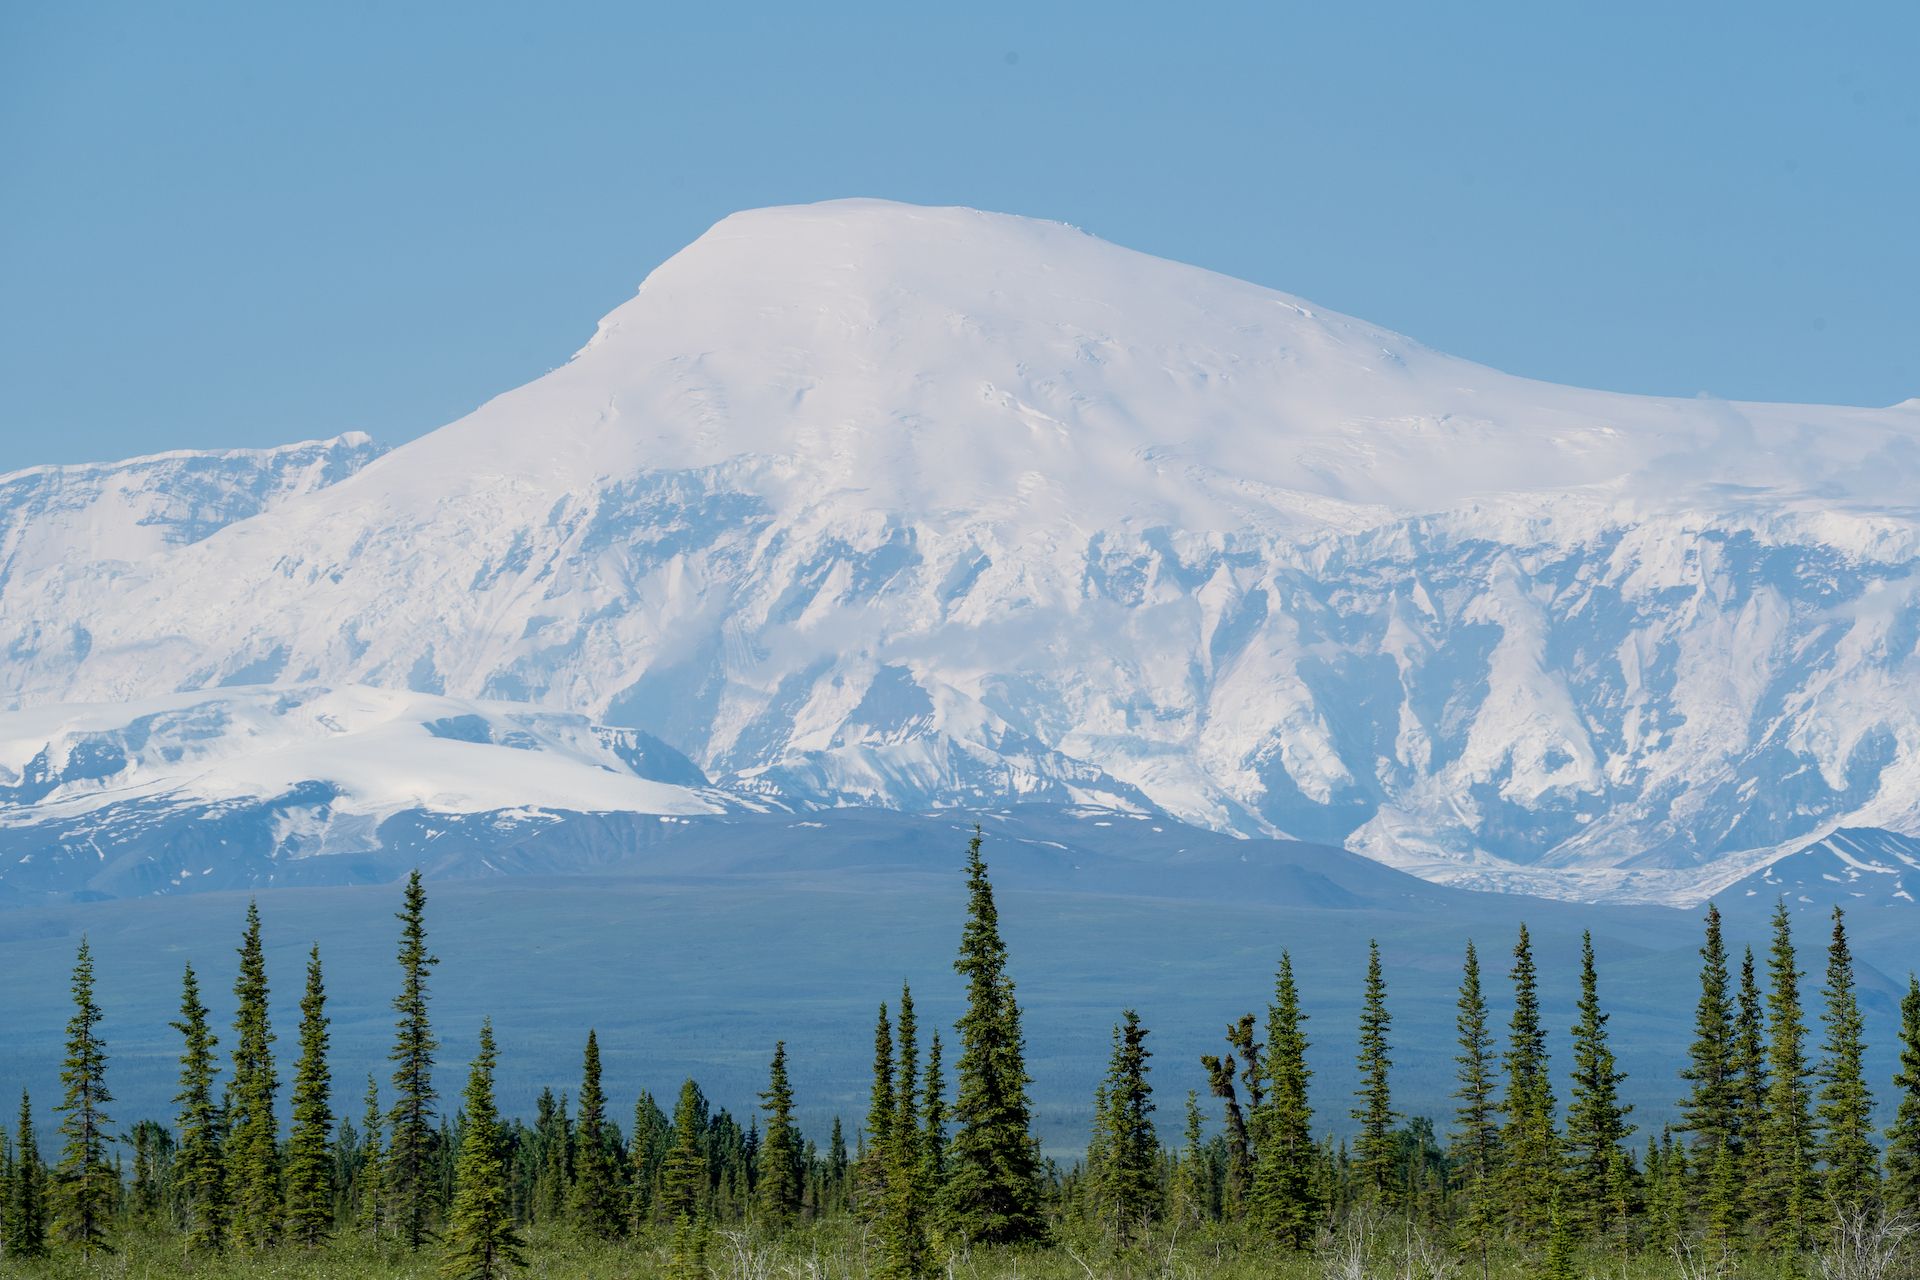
point(861, 503)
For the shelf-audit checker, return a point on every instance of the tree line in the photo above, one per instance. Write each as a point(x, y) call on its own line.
point(1775, 1142)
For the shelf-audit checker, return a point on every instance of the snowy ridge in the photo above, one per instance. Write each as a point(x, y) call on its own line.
point(266, 776)
point(862, 503)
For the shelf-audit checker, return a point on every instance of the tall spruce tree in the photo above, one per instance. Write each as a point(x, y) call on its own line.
point(1903, 1136)
point(902, 1225)
point(1711, 1110)
point(1784, 1190)
point(594, 1201)
point(1284, 1203)
point(683, 1185)
point(482, 1243)
point(871, 1169)
point(310, 1162)
point(200, 1170)
point(933, 1128)
point(253, 1143)
point(85, 1184)
point(1476, 1131)
point(781, 1182)
point(410, 1181)
point(1529, 1146)
point(1597, 1127)
point(993, 1192)
point(1749, 1063)
point(1126, 1183)
point(1375, 1151)
point(1846, 1105)
point(23, 1218)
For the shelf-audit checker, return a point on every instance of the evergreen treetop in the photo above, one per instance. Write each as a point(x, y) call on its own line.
point(594, 1202)
point(1476, 1131)
point(310, 1198)
point(1785, 1181)
point(201, 1168)
point(409, 1175)
point(993, 1193)
point(253, 1143)
point(1126, 1186)
point(1711, 1109)
point(1845, 1110)
point(780, 1184)
point(482, 1243)
point(1597, 1128)
point(23, 1217)
point(1284, 1200)
point(85, 1184)
point(1375, 1153)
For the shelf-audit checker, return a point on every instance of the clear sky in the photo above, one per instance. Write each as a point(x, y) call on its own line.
point(251, 223)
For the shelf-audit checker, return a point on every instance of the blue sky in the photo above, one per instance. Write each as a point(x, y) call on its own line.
point(245, 224)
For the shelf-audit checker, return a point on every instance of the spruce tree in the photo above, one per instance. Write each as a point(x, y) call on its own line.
point(1374, 1152)
point(1667, 1179)
point(253, 1143)
point(481, 1240)
point(1190, 1182)
point(1558, 1264)
point(870, 1170)
point(555, 1176)
point(23, 1218)
point(1711, 1108)
point(370, 1198)
point(902, 1225)
point(838, 1165)
point(1476, 1131)
point(1284, 1201)
point(1846, 1106)
point(200, 1173)
point(594, 1202)
point(1597, 1124)
point(1784, 1188)
point(1529, 1147)
point(1749, 1063)
point(993, 1193)
point(1126, 1184)
point(683, 1184)
point(310, 1163)
point(85, 1184)
point(780, 1182)
point(933, 1127)
point(409, 1180)
point(1903, 1137)
point(652, 1133)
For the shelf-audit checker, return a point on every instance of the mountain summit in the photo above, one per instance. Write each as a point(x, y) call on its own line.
point(865, 503)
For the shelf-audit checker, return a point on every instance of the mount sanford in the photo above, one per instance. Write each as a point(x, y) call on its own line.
point(865, 504)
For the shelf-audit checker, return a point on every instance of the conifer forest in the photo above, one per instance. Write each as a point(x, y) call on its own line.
point(1786, 1159)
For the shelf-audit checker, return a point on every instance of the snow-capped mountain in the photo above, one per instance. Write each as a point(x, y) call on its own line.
point(863, 503)
point(236, 786)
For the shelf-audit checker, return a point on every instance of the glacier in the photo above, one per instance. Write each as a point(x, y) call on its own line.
point(861, 504)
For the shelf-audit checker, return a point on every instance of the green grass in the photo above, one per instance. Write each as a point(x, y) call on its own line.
point(839, 1251)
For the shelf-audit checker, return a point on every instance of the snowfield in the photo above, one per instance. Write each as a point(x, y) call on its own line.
point(862, 503)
